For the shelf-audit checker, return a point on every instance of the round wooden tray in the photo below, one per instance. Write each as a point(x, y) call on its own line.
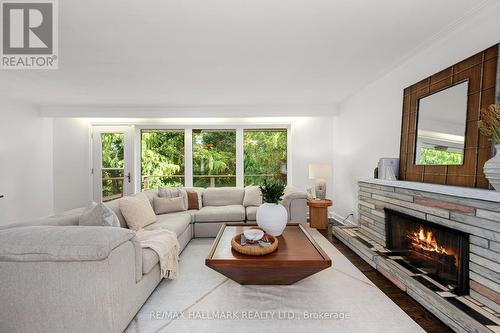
point(254, 250)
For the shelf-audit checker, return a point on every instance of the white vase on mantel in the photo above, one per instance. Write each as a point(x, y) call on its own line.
point(272, 218)
point(492, 169)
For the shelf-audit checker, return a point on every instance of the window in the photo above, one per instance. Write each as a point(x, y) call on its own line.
point(112, 167)
point(236, 156)
point(162, 158)
point(265, 155)
point(214, 158)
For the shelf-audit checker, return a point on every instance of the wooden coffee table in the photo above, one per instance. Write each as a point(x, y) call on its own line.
point(297, 257)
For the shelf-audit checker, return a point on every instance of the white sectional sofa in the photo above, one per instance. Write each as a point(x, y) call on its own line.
point(60, 277)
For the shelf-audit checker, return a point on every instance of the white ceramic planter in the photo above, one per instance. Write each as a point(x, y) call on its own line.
point(272, 218)
point(492, 169)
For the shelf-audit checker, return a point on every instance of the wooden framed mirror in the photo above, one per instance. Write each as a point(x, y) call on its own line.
point(441, 123)
point(436, 111)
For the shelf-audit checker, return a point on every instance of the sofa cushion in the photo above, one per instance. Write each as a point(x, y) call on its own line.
point(198, 190)
point(54, 243)
point(137, 211)
point(253, 196)
point(230, 213)
point(168, 205)
point(115, 207)
point(98, 215)
point(193, 202)
point(176, 222)
point(223, 196)
point(66, 218)
point(192, 212)
point(151, 194)
point(252, 213)
point(173, 192)
point(149, 260)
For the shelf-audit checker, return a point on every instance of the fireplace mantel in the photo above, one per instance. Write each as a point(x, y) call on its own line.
point(454, 191)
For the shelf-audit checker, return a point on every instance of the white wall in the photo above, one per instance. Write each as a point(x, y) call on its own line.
point(369, 123)
point(311, 142)
point(25, 163)
point(71, 163)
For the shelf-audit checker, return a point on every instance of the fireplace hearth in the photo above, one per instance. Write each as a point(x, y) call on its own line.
point(439, 252)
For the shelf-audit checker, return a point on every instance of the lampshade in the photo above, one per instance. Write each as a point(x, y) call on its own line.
point(323, 171)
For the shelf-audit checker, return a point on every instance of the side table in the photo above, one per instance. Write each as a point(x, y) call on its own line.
point(318, 213)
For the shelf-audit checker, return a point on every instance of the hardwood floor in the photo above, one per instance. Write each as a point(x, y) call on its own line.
point(417, 312)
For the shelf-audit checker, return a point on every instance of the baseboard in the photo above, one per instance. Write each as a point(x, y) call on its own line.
point(341, 219)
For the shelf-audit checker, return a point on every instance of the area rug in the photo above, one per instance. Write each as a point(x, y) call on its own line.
point(338, 299)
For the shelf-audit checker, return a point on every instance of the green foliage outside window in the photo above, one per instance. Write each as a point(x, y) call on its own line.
point(214, 158)
point(265, 154)
point(112, 150)
point(162, 161)
point(431, 156)
point(112, 165)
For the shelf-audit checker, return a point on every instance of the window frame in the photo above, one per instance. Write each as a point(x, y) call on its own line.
point(188, 148)
point(235, 151)
point(141, 131)
point(274, 129)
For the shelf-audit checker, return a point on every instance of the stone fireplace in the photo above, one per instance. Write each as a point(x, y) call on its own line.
point(440, 244)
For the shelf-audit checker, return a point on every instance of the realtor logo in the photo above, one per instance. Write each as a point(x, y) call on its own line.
point(29, 34)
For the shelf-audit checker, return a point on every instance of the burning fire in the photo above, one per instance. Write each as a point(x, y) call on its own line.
point(426, 241)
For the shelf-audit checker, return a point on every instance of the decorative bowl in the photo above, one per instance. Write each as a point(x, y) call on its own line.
point(254, 249)
point(253, 234)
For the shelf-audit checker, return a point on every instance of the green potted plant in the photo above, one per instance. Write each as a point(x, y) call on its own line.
point(489, 126)
point(272, 216)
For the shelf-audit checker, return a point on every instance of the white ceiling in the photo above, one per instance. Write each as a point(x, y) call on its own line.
point(228, 52)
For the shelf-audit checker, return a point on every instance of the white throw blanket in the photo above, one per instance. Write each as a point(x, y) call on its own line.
point(166, 245)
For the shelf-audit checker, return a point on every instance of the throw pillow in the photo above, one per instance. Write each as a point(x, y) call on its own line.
point(98, 215)
point(199, 191)
point(253, 196)
point(173, 192)
point(137, 211)
point(193, 202)
point(168, 205)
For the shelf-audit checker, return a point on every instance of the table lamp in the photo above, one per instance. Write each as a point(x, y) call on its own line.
point(320, 173)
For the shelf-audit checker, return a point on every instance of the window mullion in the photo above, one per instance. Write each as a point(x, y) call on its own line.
point(188, 157)
point(137, 150)
point(239, 158)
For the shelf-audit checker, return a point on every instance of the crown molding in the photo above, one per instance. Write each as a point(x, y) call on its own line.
point(185, 111)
